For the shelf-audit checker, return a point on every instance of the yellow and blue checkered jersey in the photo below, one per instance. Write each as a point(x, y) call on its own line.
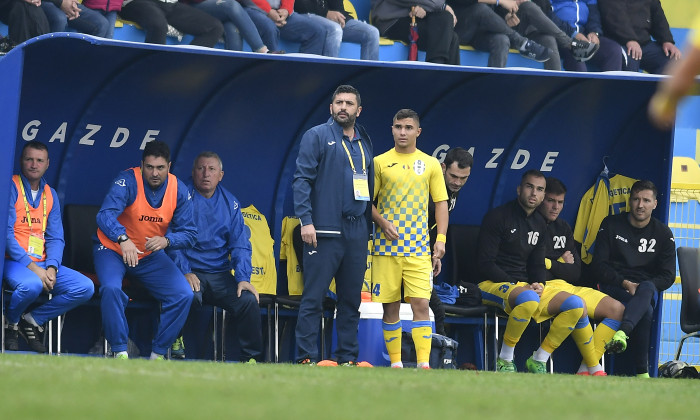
point(403, 186)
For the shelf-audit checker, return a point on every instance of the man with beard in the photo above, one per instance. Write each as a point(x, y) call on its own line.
point(635, 260)
point(131, 239)
point(333, 186)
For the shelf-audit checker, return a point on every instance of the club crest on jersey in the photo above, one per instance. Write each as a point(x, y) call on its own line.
point(419, 167)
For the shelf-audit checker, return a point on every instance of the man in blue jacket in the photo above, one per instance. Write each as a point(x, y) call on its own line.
point(333, 186)
point(222, 245)
point(581, 20)
point(132, 233)
point(34, 253)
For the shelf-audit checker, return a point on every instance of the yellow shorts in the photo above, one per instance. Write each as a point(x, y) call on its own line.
point(390, 272)
point(547, 295)
point(497, 294)
point(591, 297)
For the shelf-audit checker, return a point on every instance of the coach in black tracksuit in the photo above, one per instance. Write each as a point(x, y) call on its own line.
point(634, 261)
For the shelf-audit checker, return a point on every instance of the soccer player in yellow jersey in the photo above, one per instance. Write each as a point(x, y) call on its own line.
point(662, 107)
point(405, 179)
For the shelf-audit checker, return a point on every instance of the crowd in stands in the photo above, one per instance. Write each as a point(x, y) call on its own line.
point(576, 35)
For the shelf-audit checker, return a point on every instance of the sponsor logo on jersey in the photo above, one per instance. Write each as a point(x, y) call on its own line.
point(251, 216)
point(620, 238)
point(121, 182)
point(391, 164)
point(331, 143)
point(34, 220)
point(312, 252)
point(145, 218)
point(513, 230)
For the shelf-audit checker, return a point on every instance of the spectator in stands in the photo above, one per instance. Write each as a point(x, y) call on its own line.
point(662, 107)
point(108, 9)
point(479, 26)
point(511, 261)
point(24, 20)
point(34, 245)
point(581, 20)
point(642, 30)
point(70, 13)
point(341, 27)
point(405, 180)
point(435, 24)
point(276, 18)
point(131, 236)
point(154, 16)
point(222, 245)
point(563, 266)
point(528, 19)
point(333, 185)
point(237, 24)
point(634, 261)
point(456, 169)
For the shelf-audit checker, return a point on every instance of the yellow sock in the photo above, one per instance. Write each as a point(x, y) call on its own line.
point(564, 323)
point(392, 339)
point(525, 305)
point(583, 337)
point(422, 334)
point(602, 334)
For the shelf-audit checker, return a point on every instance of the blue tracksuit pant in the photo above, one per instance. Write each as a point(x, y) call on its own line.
point(71, 289)
point(163, 280)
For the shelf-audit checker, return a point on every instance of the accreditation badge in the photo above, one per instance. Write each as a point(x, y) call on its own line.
point(35, 248)
point(361, 187)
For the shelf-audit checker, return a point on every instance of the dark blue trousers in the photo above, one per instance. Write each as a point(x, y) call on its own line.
point(653, 61)
point(163, 280)
point(608, 57)
point(636, 321)
point(221, 289)
point(345, 258)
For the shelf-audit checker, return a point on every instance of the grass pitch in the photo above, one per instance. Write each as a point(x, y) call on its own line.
point(46, 387)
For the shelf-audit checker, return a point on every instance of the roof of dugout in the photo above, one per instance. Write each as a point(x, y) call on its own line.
point(95, 102)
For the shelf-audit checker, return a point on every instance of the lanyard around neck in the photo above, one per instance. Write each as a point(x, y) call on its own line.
point(362, 151)
point(26, 207)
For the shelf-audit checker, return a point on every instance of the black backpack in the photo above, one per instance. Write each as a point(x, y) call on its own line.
point(443, 354)
point(678, 369)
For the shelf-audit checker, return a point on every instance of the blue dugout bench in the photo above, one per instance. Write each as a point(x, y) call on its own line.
point(103, 99)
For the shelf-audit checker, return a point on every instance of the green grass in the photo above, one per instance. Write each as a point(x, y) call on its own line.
point(46, 387)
